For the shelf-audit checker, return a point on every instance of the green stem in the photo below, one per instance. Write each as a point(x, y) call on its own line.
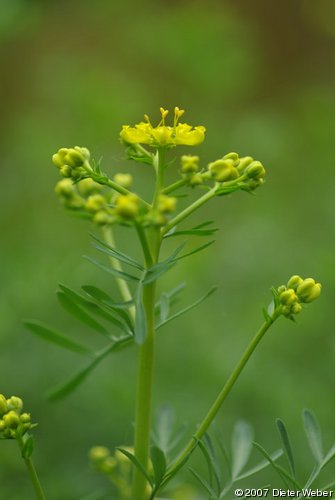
point(122, 285)
point(32, 472)
point(189, 210)
point(151, 249)
point(183, 457)
point(176, 185)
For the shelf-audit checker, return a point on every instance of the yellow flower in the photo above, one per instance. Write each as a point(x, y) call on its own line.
point(164, 135)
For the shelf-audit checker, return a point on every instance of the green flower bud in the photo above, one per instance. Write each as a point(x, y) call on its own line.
point(127, 206)
point(11, 419)
point(281, 289)
point(286, 310)
point(166, 204)
point(25, 418)
point(189, 164)
point(294, 282)
point(288, 297)
point(88, 186)
point(223, 170)
point(95, 203)
point(102, 217)
point(120, 457)
point(76, 157)
point(59, 158)
point(244, 163)
point(196, 180)
point(65, 188)
point(98, 453)
point(125, 180)
point(3, 405)
point(296, 308)
point(308, 290)
point(234, 157)
point(15, 403)
point(66, 171)
point(2, 425)
point(108, 465)
point(255, 170)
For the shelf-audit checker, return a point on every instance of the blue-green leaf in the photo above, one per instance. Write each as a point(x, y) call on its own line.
point(186, 309)
point(241, 446)
point(196, 250)
point(111, 270)
point(103, 298)
point(28, 447)
point(260, 466)
point(313, 433)
point(94, 308)
point(205, 484)
point(159, 464)
point(286, 444)
point(72, 308)
point(51, 335)
point(112, 252)
point(137, 464)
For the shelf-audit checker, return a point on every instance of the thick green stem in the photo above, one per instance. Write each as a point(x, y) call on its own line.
point(144, 395)
point(32, 472)
point(151, 248)
point(189, 210)
point(183, 457)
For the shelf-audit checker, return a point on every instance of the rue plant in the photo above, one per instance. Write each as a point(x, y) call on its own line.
point(145, 469)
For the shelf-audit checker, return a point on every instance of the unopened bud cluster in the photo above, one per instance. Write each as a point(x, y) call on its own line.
point(231, 167)
point(297, 292)
point(12, 421)
point(71, 162)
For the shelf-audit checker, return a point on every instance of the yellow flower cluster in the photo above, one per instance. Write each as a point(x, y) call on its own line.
point(13, 422)
point(163, 135)
point(296, 292)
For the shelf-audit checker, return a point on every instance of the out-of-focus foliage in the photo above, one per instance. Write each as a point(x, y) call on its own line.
point(260, 77)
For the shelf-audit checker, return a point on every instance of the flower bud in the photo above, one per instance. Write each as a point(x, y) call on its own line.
point(189, 164)
point(88, 186)
point(95, 202)
point(76, 157)
point(288, 297)
point(15, 403)
point(2, 425)
point(166, 204)
point(102, 217)
point(25, 418)
point(125, 180)
point(98, 453)
point(296, 308)
point(108, 465)
point(234, 157)
point(294, 282)
point(127, 206)
point(65, 171)
point(255, 170)
point(281, 289)
point(11, 419)
point(308, 290)
point(58, 159)
point(3, 405)
point(65, 188)
point(223, 170)
point(244, 163)
point(286, 310)
point(196, 180)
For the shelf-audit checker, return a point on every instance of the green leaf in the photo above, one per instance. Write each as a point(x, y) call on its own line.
point(286, 444)
point(50, 335)
point(329, 456)
point(283, 474)
point(122, 257)
point(186, 309)
point(241, 446)
point(159, 464)
point(163, 428)
point(140, 332)
point(208, 451)
point(95, 308)
point(313, 434)
point(28, 447)
point(155, 271)
point(205, 484)
point(164, 306)
point(260, 466)
point(111, 270)
point(137, 464)
point(172, 296)
point(196, 250)
point(73, 382)
point(72, 308)
point(192, 232)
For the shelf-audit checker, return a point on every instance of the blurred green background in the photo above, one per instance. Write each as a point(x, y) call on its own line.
point(260, 76)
